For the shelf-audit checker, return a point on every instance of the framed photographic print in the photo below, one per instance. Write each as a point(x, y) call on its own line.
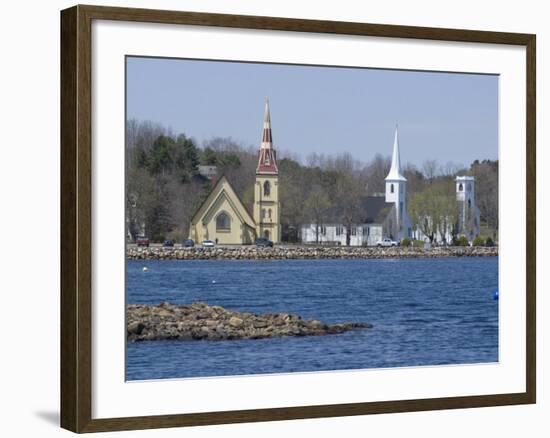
point(270, 218)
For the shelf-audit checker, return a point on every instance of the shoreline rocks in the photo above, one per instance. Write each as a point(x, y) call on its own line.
point(199, 321)
point(302, 252)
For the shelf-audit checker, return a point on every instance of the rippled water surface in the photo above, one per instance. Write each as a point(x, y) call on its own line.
point(424, 311)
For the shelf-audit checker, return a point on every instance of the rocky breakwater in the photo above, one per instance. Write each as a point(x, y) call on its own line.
point(199, 321)
point(283, 252)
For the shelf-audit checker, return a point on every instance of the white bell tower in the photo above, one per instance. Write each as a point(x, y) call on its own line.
point(468, 213)
point(396, 193)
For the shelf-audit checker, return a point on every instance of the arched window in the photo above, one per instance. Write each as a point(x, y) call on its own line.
point(391, 188)
point(263, 213)
point(460, 187)
point(267, 188)
point(223, 222)
point(269, 213)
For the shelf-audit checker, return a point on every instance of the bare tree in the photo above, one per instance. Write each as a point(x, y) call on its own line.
point(430, 170)
point(486, 174)
point(451, 168)
point(317, 205)
point(375, 172)
point(348, 202)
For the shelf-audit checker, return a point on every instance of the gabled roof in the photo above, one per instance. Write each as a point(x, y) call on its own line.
point(223, 188)
point(375, 209)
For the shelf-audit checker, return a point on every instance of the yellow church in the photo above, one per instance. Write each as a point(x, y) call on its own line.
point(223, 217)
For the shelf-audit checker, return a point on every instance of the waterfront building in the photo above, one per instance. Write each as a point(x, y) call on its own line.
point(399, 226)
point(225, 219)
point(468, 212)
point(266, 188)
point(384, 215)
point(467, 220)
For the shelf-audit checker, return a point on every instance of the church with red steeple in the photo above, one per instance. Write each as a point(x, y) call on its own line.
point(266, 188)
point(223, 217)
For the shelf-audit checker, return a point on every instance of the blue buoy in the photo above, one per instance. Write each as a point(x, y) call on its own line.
point(495, 295)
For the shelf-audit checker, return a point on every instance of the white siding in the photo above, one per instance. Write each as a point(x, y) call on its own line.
point(361, 234)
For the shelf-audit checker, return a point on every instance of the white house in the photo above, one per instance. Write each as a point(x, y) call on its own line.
point(335, 234)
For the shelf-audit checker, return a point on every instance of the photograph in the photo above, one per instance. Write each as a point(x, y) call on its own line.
point(288, 218)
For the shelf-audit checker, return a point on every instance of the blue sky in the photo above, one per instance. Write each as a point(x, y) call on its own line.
point(441, 116)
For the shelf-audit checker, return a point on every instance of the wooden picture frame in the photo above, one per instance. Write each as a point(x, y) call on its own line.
point(76, 217)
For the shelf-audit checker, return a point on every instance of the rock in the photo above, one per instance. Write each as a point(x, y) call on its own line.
point(136, 328)
point(199, 321)
point(314, 324)
point(305, 252)
point(235, 322)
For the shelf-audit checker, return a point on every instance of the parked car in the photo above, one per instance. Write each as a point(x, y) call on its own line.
point(168, 243)
point(262, 241)
point(386, 241)
point(188, 243)
point(208, 244)
point(142, 241)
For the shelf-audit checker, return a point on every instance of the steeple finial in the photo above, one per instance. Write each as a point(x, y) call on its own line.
point(267, 118)
point(395, 169)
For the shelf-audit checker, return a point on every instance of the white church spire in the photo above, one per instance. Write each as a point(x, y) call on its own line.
point(395, 169)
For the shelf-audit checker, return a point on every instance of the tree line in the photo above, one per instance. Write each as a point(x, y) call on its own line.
point(164, 187)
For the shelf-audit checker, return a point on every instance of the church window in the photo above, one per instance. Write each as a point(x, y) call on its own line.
point(269, 213)
point(266, 234)
point(223, 222)
point(391, 188)
point(263, 213)
point(460, 187)
point(267, 188)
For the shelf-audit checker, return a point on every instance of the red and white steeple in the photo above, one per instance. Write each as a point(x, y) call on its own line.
point(267, 157)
